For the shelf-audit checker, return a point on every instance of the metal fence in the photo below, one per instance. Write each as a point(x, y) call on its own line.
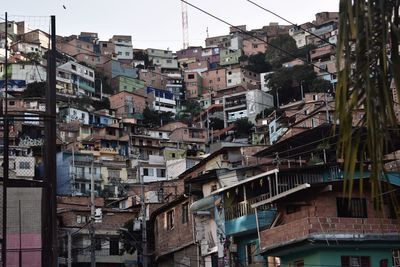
point(26, 134)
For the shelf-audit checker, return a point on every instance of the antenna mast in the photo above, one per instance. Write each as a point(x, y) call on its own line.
point(185, 30)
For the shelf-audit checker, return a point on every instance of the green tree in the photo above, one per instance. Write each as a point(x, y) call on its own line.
point(216, 124)
point(153, 118)
point(320, 85)
point(150, 117)
point(287, 82)
point(265, 113)
point(244, 128)
point(35, 89)
point(276, 56)
point(131, 240)
point(366, 69)
point(258, 63)
point(191, 109)
point(34, 57)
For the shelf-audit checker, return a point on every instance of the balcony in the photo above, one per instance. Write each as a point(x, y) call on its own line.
point(86, 87)
point(241, 217)
point(327, 228)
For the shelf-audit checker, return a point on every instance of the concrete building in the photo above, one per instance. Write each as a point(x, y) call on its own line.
point(37, 36)
point(128, 84)
point(246, 104)
point(161, 100)
point(211, 55)
point(241, 76)
point(21, 74)
point(74, 173)
point(190, 54)
point(123, 49)
point(229, 56)
point(77, 76)
point(71, 114)
point(162, 58)
point(264, 81)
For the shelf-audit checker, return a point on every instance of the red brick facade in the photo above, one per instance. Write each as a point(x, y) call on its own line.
point(171, 239)
point(321, 218)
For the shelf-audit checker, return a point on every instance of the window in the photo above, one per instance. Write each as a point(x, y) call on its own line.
point(251, 253)
point(114, 246)
point(24, 165)
point(190, 76)
point(170, 220)
point(229, 80)
point(185, 212)
point(173, 155)
point(113, 173)
point(80, 219)
point(146, 172)
point(126, 53)
point(229, 72)
point(351, 208)
point(119, 53)
point(169, 61)
point(160, 172)
point(73, 66)
point(355, 261)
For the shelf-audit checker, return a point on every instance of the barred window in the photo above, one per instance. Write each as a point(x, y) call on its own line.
point(351, 208)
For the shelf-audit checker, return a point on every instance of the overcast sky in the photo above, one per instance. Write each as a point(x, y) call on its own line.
point(158, 23)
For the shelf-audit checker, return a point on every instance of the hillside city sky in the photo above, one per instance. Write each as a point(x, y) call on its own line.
point(157, 23)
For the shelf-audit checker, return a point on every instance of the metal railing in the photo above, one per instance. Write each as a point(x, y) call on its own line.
point(244, 208)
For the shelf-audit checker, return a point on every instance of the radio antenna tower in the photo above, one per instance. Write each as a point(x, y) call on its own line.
point(185, 30)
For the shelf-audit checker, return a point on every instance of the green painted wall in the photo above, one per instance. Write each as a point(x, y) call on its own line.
point(179, 154)
point(130, 84)
point(229, 57)
point(332, 256)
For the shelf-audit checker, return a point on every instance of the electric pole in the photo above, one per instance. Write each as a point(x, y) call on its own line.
point(143, 217)
point(92, 214)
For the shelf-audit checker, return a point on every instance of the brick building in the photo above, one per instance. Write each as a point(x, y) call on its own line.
point(126, 104)
point(173, 233)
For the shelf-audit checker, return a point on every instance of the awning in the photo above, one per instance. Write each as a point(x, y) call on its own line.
point(281, 195)
point(205, 203)
point(274, 171)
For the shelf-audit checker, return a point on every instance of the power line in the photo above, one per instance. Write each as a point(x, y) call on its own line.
point(294, 24)
point(258, 38)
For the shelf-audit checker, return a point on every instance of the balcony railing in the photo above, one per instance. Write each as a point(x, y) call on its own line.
point(244, 208)
point(284, 182)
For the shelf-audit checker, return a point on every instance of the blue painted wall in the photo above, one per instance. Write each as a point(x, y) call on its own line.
point(248, 223)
